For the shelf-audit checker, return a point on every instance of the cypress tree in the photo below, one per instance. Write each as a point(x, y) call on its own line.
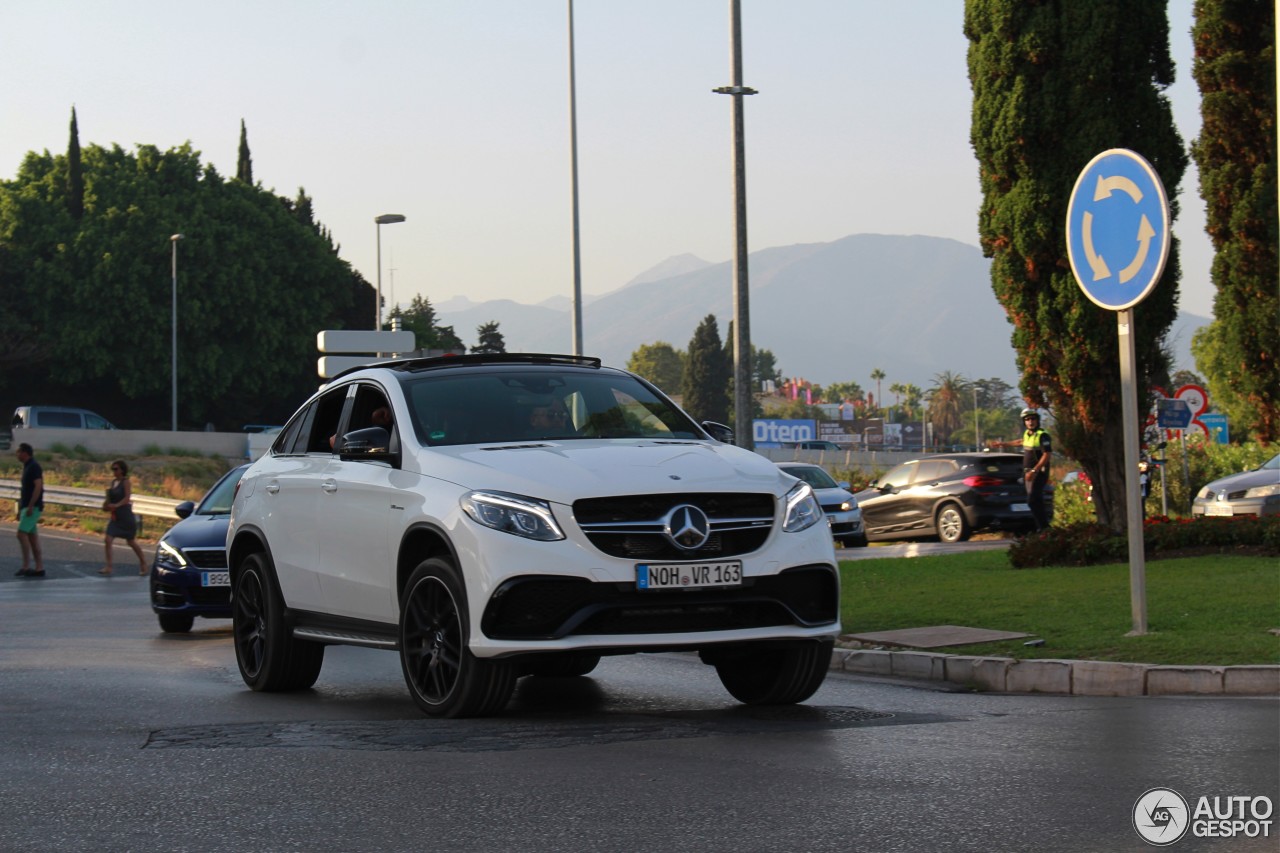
point(75, 172)
point(706, 375)
point(1239, 353)
point(1055, 84)
point(244, 168)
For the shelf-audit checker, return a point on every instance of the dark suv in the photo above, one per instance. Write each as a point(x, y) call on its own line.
point(490, 517)
point(949, 496)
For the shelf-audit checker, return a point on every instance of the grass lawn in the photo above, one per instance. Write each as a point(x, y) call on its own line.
point(1211, 610)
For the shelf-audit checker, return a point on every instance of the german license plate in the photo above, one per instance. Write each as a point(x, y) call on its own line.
point(1019, 507)
point(215, 579)
point(688, 575)
point(1218, 509)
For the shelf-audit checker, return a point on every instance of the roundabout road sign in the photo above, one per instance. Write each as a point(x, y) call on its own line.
point(1118, 229)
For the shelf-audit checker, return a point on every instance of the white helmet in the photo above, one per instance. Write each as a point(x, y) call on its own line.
point(1030, 413)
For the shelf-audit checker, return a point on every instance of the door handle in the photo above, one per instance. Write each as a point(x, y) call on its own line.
point(329, 486)
point(273, 488)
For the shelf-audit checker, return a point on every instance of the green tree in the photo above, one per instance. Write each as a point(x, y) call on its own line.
point(838, 392)
point(1239, 353)
point(254, 287)
point(1048, 81)
point(244, 166)
point(947, 404)
point(75, 172)
point(707, 374)
point(876, 375)
point(489, 339)
point(660, 363)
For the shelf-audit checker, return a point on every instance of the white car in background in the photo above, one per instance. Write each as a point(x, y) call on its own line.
point(839, 504)
point(1255, 492)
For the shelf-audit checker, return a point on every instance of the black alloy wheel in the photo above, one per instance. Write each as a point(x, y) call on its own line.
point(269, 657)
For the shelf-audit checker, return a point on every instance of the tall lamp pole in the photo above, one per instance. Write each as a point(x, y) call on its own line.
point(384, 219)
point(573, 158)
point(173, 367)
point(742, 390)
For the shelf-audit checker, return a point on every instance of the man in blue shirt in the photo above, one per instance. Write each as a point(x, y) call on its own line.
point(30, 506)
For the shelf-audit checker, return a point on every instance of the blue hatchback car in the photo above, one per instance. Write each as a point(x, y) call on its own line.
point(189, 577)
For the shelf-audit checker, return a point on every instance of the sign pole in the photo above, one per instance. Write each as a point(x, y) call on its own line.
point(1118, 238)
point(1132, 491)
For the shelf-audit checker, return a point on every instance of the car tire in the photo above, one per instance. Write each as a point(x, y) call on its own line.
point(270, 658)
point(951, 524)
point(176, 623)
point(855, 542)
point(445, 679)
point(564, 664)
point(775, 676)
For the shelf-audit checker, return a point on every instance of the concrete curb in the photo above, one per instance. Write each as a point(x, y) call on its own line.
point(1062, 677)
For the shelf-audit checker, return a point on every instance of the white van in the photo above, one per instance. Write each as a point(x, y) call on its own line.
point(25, 417)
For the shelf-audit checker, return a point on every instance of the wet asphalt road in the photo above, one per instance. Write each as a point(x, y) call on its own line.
point(118, 737)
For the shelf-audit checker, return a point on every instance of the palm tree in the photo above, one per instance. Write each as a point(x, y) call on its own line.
point(912, 395)
point(947, 402)
point(877, 374)
point(896, 390)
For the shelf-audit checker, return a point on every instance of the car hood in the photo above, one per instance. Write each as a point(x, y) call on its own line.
point(566, 471)
point(1247, 480)
point(826, 497)
point(199, 531)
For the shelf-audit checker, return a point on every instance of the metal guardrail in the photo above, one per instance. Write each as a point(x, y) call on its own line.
point(92, 498)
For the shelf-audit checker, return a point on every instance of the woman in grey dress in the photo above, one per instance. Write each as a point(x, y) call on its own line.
point(123, 523)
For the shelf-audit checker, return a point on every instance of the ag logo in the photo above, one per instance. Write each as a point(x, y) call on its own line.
point(1161, 816)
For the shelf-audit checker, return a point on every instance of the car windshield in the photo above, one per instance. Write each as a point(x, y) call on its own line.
point(473, 407)
point(1271, 464)
point(812, 475)
point(218, 501)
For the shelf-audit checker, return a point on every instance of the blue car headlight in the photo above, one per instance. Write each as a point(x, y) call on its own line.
point(170, 555)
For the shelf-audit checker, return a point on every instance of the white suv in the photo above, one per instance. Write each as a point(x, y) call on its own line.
point(496, 516)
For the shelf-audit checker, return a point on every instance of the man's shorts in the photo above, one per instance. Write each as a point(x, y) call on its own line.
point(28, 519)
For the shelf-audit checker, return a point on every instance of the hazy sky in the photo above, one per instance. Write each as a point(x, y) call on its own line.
point(455, 113)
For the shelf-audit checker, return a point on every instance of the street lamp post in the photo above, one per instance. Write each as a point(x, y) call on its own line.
point(384, 219)
point(173, 367)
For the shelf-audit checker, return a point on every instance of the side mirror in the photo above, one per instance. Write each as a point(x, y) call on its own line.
point(184, 509)
point(718, 431)
point(844, 484)
point(368, 443)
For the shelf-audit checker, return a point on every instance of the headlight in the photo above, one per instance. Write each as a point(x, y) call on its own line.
point(520, 516)
point(803, 511)
point(848, 505)
point(1263, 491)
point(170, 554)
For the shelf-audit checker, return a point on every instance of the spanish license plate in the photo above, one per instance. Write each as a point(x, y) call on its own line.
point(1218, 509)
point(688, 575)
point(215, 579)
point(1019, 507)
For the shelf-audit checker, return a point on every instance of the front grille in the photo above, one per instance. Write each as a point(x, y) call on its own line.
point(206, 558)
point(1236, 496)
point(543, 608)
point(630, 526)
point(174, 596)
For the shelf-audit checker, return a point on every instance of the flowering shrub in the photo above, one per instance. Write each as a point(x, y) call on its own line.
point(1085, 544)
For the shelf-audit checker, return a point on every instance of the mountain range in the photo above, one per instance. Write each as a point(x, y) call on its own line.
point(913, 306)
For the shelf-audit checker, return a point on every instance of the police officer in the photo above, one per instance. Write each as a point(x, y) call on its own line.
point(1037, 448)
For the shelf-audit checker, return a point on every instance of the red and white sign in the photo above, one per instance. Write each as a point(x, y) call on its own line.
point(1196, 398)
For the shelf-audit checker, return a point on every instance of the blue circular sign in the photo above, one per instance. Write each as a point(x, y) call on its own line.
point(1118, 229)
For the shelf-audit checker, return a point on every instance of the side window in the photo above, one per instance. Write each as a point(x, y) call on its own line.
point(59, 419)
point(324, 423)
point(288, 438)
point(899, 477)
point(931, 471)
point(371, 408)
point(95, 422)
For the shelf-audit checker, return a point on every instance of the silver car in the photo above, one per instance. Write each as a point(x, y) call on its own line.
point(1255, 492)
point(839, 504)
